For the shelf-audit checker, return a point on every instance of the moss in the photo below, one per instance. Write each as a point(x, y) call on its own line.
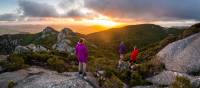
point(181, 82)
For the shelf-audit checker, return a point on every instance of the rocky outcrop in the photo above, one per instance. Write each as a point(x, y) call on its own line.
point(182, 55)
point(35, 77)
point(30, 48)
point(181, 58)
point(63, 43)
point(21, 49)
point(36, 48)
point(7, 44)
point(47, 32)
point(195, 82)
point(166, 78)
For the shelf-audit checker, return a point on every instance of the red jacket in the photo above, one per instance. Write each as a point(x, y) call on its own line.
point(134, 55)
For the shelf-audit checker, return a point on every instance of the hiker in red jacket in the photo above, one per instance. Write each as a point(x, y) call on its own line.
point(134, 55)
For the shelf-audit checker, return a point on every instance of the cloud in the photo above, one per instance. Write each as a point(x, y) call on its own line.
point(68, 5)
point(8, 17)
point(72, 8)
point(148, 9)
point(35, 9)
point(75, 14)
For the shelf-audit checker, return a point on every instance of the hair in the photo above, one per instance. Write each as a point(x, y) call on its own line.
point(81, 40)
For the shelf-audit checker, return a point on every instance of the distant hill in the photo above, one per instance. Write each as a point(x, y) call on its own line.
point(139, 35)
point(8, 31)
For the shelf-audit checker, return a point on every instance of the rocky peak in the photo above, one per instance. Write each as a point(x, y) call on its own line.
point(48, 31)
point(63, 43)
point(68, 32)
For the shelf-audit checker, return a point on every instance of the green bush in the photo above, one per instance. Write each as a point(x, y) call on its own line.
point(192, 30)
point(11, 84)
point(108, 73)
point(112, 82)
point(125, 76)
point(150, 68)
point(181, 82)
point(36, 58)
point(53, 60)
point(3, 63)
point(15, 62)
point(136, 79)
point(56, 64)
point(57, 53)
point(72, 58)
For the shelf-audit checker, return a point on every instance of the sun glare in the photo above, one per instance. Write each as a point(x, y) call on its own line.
point(103, 22)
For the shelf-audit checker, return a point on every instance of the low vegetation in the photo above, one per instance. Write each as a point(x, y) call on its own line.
point(11, 84)
point(181, 82)
point(52, 60)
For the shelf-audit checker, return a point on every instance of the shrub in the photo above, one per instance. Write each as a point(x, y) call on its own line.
point(11, 84)
point(56, 64)
point(113, 82)
point(57, 53)
point(181, 82)
point(72, 58)
point(108, 73)
point(136, 79)
point(150, 68)
point(192, 30)
point(125, 76)
point(3, 63)
point(15, 62)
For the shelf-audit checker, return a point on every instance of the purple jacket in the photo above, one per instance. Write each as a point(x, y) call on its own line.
point(81, 52)
point(122, 49)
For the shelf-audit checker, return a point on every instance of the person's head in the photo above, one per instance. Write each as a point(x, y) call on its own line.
point(81, 40)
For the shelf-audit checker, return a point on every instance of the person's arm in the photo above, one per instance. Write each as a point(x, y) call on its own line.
point(86, 51)
point(76, 50)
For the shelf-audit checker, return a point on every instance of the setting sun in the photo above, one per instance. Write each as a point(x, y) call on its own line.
point(103, 22)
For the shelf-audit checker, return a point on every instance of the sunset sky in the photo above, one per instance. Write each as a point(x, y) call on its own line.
point(104, 13)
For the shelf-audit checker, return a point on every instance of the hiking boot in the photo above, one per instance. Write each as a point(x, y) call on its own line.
point(84, 75)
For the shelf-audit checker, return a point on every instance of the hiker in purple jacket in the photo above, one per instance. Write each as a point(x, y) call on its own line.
point(82, 55)
point(122, 52)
